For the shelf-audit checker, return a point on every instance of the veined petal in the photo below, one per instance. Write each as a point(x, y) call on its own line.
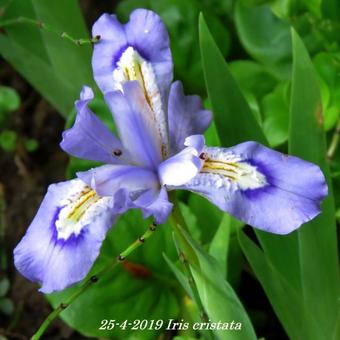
point(148, 35)
point(260, 186)
point(107, 180)
point(138, 130)
point(184, 166)
point(186, 116)
point(64, 239)
point(137, 51)
point(107, 52)
point(89, 138)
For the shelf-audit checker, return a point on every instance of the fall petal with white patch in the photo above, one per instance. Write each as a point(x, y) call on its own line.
point(65, 237)
point(260, 186)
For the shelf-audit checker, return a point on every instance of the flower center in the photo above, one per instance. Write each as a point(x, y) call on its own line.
point(78, 210)
point(233, 168)
point(131, 66)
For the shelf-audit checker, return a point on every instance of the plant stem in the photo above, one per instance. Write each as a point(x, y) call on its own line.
point(334, 143)
point(92, 280)
point(42, 25)
point(176, 220)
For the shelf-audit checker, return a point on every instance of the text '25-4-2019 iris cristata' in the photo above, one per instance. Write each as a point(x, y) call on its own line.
point(161, 148)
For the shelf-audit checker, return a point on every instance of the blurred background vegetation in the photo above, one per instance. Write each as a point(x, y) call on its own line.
point(41, 74)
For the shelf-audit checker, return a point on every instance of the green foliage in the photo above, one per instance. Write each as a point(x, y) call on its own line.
point(8, 140)
point(9, 99)
point(217, 296)
point(317, 239)
point(228, 105)
point(31, 144)
point(63, 67)
point(6, 305)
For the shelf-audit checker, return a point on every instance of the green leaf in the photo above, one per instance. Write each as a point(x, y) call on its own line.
point(206, 214)
point(219, 246)
point(265, 38)
point(252, 77)
point(9, 99)
point(276, 114)
point(234, 121)
point(8, 140)
point(316, 239)
point(280, 291)
point(63, 66)
point(218, 298)
point(6, 306)
point(31, 144)
point(182, 279)
point(4, 287)
point(54, 88)
point(124, 294)
point(331, 9)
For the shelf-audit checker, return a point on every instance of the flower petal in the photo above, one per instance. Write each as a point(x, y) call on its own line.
point(156, 203)
point(137, 128)
point(64, 239)
point(184, 166)
point(108, 50)
point(107, 180)
point(136, 51)
point(89, 138)
point(186, 116)
point(145, 33)
point(260, 186)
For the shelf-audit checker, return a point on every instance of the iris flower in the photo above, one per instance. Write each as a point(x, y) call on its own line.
point(161, 148)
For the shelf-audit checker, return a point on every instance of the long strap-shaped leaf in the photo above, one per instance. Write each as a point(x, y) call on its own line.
point(317, 239)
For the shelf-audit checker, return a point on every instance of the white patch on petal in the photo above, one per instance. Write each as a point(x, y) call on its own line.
point(131, 66)
point(80, 206)
point(232, 168)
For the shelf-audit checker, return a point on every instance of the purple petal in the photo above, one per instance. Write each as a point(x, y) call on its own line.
point(145, 33)
point(155, 203)
point(64, 239)
point(184, 166)
point(108, 50)
point(136, 124)
point(89, 138)
point(107, 180)
point(262, 187)
point(186, 116)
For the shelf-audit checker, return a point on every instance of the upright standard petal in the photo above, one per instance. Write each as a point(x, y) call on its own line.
point(108, 50)
point(186, 116)
point(89, 138)
point(64, 239)
point(137, 51)
point(147, 33)
point(136, 125)
point(262, 187)
point(146, 36)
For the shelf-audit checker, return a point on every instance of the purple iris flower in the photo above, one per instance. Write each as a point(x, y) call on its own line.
point(161, 148)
